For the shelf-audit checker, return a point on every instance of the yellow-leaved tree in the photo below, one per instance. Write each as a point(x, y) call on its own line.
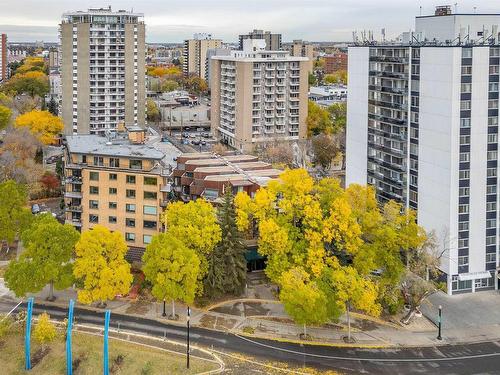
point(195, 225)
point(42, 124)
point(100, 265)
point(44, 331)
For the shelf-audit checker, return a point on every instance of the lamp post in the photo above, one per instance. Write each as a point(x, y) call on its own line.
point(164, 312)
point(439, 322)
point(187, 348)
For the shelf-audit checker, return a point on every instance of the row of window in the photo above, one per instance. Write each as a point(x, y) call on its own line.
point(129, 193)
point(129, 222)
point(130, 179)
point(464, 208)
point(129, 207)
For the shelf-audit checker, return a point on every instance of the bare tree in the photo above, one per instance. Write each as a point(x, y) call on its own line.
point(276, 153)
point(415, 290)
point(325, 148)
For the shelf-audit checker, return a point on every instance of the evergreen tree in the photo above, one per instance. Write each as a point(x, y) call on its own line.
point(53, 107)
point(227, 263)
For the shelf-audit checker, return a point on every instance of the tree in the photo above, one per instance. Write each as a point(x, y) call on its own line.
point(160, 71)
point(31, 64)
point(152, 111)
point(313, 81)
point(279, 154)
point(196, 85)
point(46, 259)
point(318, 120)
point(44, 331)
point(50, 182)
point(319, 63)
point(101, 266)
point(415, 290)
point(195, 225)
point(302, 298)
point(44, 125)
point(168, 85)
point(53, 107)
point(14, 215)
point(33, 83)
point(325, 150)
point(337, 77)
point(5, 115)
point(338, 113)
point(172, 269)
point(227, 266)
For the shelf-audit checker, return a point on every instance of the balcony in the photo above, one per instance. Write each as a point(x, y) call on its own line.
point(73, 180)
point(73, 194)
point(74, 222)
point(75, 165)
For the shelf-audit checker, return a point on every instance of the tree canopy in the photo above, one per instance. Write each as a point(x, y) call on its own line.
point(14, 214)
point(33, 83)
point(5, 115)
point(43, 124)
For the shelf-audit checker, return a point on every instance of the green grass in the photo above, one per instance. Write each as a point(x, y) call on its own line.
point(88, 348)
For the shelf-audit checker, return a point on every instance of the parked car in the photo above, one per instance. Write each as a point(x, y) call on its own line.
point(35, 209)
point(203, 143)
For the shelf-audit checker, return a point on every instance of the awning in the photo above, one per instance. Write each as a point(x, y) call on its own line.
point(474, 275)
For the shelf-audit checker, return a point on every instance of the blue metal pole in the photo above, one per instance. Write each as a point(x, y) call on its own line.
point(69, 357)
point(27, 337)
point(106, 328)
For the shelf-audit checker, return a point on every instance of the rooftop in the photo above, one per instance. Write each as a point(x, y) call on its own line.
point(98, 145)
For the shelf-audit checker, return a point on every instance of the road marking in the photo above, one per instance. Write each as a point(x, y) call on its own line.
point(441, 359)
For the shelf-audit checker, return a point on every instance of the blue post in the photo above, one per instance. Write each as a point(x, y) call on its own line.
point(106, 328)
point(69, 357)
point(27, 336)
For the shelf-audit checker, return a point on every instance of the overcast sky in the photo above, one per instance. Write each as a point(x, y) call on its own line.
point(175, 20)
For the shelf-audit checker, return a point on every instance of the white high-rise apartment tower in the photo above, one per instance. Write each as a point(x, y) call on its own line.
point(103, 70)
point(422, 128)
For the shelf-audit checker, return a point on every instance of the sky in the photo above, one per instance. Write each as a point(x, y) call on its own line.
point(175, 20)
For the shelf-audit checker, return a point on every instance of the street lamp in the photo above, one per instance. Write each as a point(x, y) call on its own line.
point(439, 322)
point(164, 312)
point(187, 349)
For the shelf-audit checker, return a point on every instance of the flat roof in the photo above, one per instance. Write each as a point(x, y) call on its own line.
point(213, 160)
point(230, 168)
point(98, 145)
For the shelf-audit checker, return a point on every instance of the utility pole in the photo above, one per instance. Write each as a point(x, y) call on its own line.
point(187, 349)
point(164, 312)
point(439, 322)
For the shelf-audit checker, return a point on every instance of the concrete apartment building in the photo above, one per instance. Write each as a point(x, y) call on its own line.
point(303, 49)
point(206, 175)
point(102, 70)
point(195, 54)
point(258, 96)
point(422, 128)
point(273, 41)
point(3, 58)
point(335, 62)
point(115, 181)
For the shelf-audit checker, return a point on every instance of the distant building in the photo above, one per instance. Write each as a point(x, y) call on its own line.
point(211, 53)
point(103, 75)
point(3, 58)
point(303, 49)
point(116, 181)
point(273, 41)
point(328, 94)
point(195, 54)
point(258, 96)
point(335, 62)
point(207, 175)
point(54, 59)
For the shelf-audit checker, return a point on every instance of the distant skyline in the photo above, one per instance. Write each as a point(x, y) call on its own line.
point(173, 21)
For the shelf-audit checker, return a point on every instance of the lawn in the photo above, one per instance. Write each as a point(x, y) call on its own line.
point(124, 358)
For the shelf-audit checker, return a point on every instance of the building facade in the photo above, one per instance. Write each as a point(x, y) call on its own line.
point(102, 70)
point(335, 62)
point(3, 58)
point(195, 59)
point(422, 128)
point(115, 181)
point(303, 49)
point(273, 41)
point(258, 96)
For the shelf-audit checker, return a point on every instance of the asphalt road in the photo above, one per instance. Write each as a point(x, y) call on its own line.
point(479, 358)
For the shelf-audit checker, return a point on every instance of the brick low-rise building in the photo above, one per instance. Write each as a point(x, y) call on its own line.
point(335, 62)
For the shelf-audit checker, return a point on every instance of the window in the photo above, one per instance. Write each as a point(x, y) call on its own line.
point(464, 242)
point(491, 223)
point(492, 121)
point(149, 195)
point(491, 240)
point(112, 191)
point(130, 222)
point(130, 207)
point(94, 190)
point(413, 196)
point(94, 176)
point(463, 208)
point(94, 205)
point(413, 180)
point(493, 87)
point(464, 139)
point(465, 122)
point(413, 149)
point(99, 161)
point(492, 155)
point(112, 219)
point(491, 189)
point(464, 156)
point(466, 87)
point(130, 237)
point(135, 164)
point(463, 260)
point(466, 70)
point(149, 180)
point(463, 226)
point(146, 239)
point(149, 210)
point(494, 69)
point(493, 104)
point(491, 206)
point(494, 52)
point(130, 179)
point(463, 174)
point(491, 258)
point(148, 224)
point(114, 162)
point(94, 219)
point(113, 205)
point(491, 172)
point(113, 176)
point(492, 138)
point(130, 193)
point(463, 192)
point(466, 52)
point(465, 105)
